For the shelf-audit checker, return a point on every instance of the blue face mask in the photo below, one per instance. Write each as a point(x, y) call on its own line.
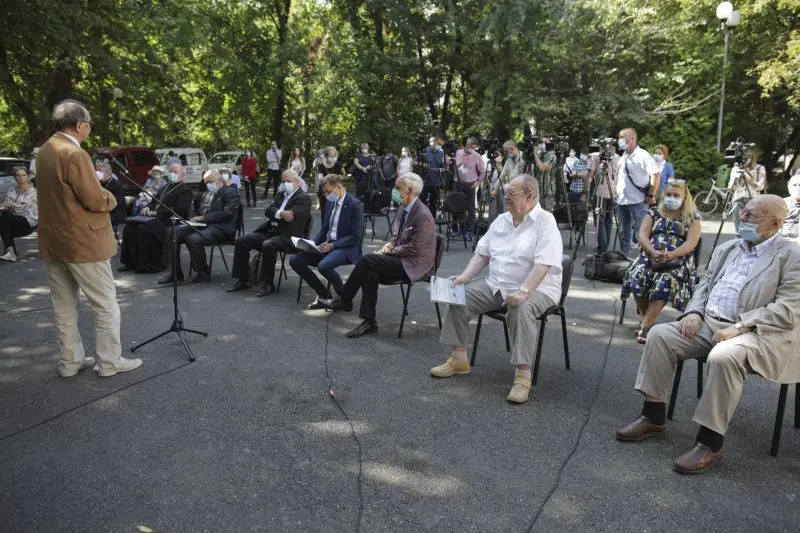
point(396, 198)
point(622, 143)
point(672, 203)
point(212, 187)
point(173, 177)
point(288, 188)
point(748, 231)
point(333, 197)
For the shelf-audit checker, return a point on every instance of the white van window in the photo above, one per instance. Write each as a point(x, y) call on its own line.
point(193, 159)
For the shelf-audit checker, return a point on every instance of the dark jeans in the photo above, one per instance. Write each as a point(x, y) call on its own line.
point(605, 223)
point(325, 263)
point(269, 246)
point(430, 197)
point(250, 187)
point(12, 226)
point(469, 192)
point(370, 272)
point(630, 220)
point(273, 179)
point(195, 241)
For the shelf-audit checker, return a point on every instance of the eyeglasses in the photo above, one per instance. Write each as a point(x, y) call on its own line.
point(89, 122)
point(676, 180)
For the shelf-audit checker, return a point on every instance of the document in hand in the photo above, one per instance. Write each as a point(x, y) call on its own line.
point(196, 224)
point(306, 245)
point(443, 291)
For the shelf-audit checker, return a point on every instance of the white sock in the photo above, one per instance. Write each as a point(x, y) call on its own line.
point(522, 373)
point(461, 357)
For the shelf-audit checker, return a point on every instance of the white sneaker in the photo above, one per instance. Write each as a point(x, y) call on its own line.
point(9, 256)
point(124, 365)
point(86, 363)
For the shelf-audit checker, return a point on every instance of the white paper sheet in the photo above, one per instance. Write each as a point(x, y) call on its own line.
point(443, 291)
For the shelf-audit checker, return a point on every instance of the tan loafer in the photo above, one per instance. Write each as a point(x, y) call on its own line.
point(451, 367)
point(520, 390)
point(640, 429)
point(697, 460)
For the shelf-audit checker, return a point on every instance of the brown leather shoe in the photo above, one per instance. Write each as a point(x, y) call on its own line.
point(697, 460)
point(640, 429)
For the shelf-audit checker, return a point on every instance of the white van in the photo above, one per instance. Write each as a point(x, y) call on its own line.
point(231, 160)
point(193, 159)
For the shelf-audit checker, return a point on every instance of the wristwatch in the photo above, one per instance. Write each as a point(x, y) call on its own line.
point(525, 290)
point(741, 328)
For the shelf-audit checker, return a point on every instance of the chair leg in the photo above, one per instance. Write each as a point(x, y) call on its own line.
point(281, 272)
point(699, 378)
point(224, 261)
point(539, 343)
point(299, 288)
point(406, 294)
point(622, 310)
point(776, 432)
point(564, 336)
point(372, 222)
point(438, 314)
point(389, 232)
point(674, 394)
point(475, 342)
point(797, 406)
point(505, 332)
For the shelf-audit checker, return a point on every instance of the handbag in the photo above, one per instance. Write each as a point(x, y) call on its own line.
point(666, 267)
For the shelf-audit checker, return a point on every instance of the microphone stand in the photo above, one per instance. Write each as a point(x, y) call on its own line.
point(177, 320)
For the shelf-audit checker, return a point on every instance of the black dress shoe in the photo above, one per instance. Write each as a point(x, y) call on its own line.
point(365, 328)
point(201, 276)
point(335, 304)
point(240, 286)
point(266, 290)
point(124, 268)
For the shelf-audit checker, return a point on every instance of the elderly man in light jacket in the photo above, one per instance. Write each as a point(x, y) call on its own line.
point(743, 317)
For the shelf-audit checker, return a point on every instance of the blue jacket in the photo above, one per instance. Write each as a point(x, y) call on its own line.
point(434, 161)
point(349, 230)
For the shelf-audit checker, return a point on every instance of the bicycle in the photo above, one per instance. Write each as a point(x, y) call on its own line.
point(708, 201)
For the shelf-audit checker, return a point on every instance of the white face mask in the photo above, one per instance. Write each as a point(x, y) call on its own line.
point(542, 147)
point(365, 151)
point(100, 175)
point(405, 153)
point(794, 190)
point(658, 158)
point(330, 160)
point(572, 153)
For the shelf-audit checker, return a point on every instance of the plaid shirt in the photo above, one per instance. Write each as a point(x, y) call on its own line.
point(575, 173)
point(723, 300)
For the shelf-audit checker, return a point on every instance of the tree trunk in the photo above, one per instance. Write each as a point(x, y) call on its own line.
point(423, 76)
point(280, 84)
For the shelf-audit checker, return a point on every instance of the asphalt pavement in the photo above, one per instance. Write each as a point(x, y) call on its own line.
point(249, 438)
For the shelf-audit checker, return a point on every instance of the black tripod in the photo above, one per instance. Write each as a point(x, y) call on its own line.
point(177, 323)
point(484, 197)
point(604, 205)
point(177, 320)
point(728, 205)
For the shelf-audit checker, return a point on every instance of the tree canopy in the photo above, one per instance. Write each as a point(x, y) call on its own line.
point(223, 74)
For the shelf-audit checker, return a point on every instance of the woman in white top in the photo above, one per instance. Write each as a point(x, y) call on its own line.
point(296, 162)
point(19, 213)
point(406, 162)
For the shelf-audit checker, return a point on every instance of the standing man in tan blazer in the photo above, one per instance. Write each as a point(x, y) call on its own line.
point(744, 316)
point(76, 241)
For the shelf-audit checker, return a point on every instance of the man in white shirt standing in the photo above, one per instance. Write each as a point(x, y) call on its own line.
point(273, 158)
point(637, 184)
point(523, 249)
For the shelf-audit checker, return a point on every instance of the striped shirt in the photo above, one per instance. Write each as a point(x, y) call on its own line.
point(723, 300)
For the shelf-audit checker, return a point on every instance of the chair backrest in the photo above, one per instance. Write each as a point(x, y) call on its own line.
point(566, 277)
point(439, 252)
point(378, 200)
point(455, 202)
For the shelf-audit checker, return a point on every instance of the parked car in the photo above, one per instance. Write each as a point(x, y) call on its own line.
point(193, 160)
point(232, 160)
point(136, 160)
point(7, 166)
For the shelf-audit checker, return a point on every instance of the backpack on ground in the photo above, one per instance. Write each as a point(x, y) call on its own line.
point(608, 266)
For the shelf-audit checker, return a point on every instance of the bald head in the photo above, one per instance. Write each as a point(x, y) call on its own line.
point(766, 213)
point(771, 205)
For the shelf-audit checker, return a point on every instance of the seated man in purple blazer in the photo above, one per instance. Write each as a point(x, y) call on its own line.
point(410, 257)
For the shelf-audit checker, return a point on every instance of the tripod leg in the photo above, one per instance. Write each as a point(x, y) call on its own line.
point(203, 333)
point(148, 341)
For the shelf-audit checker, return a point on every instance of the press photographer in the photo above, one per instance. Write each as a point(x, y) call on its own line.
point(747, 180)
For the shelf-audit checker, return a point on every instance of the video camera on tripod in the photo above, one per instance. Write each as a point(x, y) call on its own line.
point(489, 146)
point(606, 146)
point(740, 152)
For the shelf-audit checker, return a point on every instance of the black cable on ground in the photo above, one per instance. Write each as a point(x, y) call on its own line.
point(595, 395)
point(89, 402)
point(335, 401)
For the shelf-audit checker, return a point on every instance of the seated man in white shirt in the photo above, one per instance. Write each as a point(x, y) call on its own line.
point(523, 249)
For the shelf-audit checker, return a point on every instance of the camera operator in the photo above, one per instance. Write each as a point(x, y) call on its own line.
point(604, 189)
point(544, 160)
point(513, 167)
point(433, 157)
point(637, 185)
point(361, 167)
point(470, 171)
point(576, 176)
point(747, 180)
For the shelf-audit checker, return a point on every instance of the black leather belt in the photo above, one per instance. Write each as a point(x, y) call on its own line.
point(725, 320)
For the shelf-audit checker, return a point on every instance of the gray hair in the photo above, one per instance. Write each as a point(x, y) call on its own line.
point(67, 114)
point(508, 145)
point(290, 174)
point(332, 150)
point(530, 185)
point(213, 173)
point(413, 181)
point(471, 140)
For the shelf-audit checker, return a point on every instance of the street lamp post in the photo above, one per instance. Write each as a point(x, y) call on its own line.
point(118, 94)
point(729, 19)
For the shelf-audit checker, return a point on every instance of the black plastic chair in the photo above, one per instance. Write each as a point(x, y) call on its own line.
point(624, 297)
point(455, 212)
point(238, 223)
point(378, 207)
point(500, 314)
point(405, 286)
point(776, 430)
point(282, 274)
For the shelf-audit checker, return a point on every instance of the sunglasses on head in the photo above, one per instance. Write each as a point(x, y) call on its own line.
point(676, 180)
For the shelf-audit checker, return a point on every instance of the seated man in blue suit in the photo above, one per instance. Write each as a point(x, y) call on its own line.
point(339, 239)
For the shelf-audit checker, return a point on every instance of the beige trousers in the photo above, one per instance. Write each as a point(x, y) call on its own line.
point(727, 369)
point(97, 283)
point(522, 327)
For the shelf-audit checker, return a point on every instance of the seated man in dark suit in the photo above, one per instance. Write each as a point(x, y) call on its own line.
point(287, 217)
point(339, 238)
point(220, 226)
point(103, 171)
point(411, 256)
